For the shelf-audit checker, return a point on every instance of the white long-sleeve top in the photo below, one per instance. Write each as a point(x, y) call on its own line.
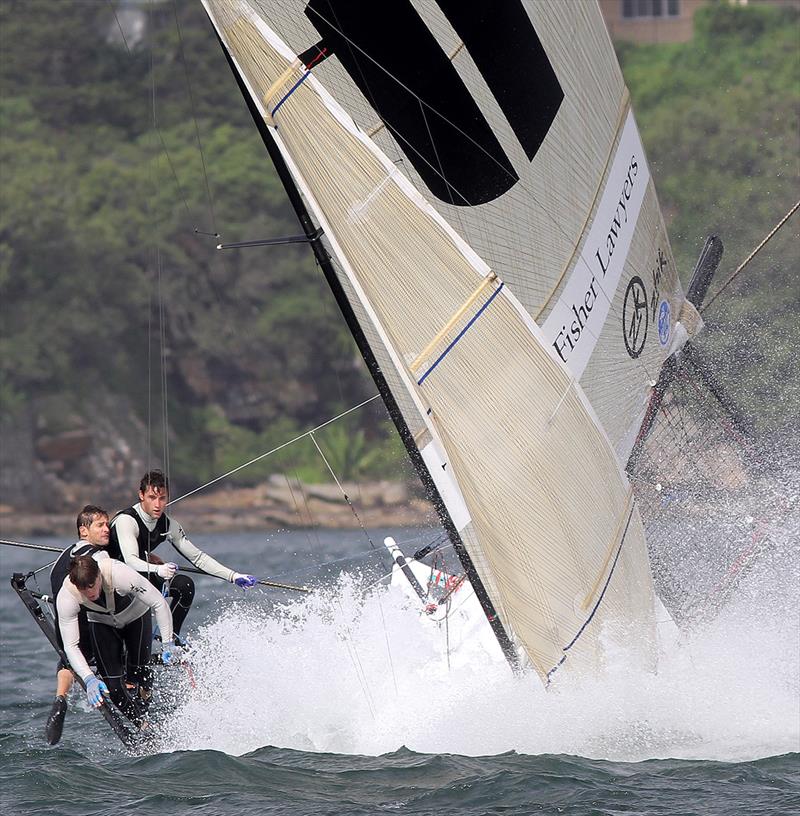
point(128, 535)
point(124, 581)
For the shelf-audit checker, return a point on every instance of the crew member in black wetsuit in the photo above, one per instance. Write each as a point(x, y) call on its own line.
point(117, 601)
point(138, 530)
point(93, 532)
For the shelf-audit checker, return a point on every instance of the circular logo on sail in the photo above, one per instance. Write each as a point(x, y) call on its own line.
point(634, 316)
point(664, 322)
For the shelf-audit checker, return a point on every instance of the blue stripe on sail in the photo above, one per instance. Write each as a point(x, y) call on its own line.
point(291, 90)
point(599, 600)
point(554, 669)
point(460, 334)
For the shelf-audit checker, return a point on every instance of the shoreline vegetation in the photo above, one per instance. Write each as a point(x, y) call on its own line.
point(279, 503)
point(128, 342)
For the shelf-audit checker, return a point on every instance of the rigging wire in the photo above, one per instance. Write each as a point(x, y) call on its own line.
point(158, 264)
point(750, 257)
point(344, 493)
point(161, 136)
point(148, 431)
point(164, 377)
point(194, 119)
point(305, 505)
point(372, 544)
point(356, 660)
point(273, 450)
point(119, 25)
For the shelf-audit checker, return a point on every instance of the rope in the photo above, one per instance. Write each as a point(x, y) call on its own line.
point(194, 119)
point(750, 257)
point(274, 450)
point(160, 135)
point(356, 660)
point(339, 485)
point(162, 336)
point(372, 544)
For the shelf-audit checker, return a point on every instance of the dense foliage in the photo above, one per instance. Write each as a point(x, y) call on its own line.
point(118, 152)
point(720, 118)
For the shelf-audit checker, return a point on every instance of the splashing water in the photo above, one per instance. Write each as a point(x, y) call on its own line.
point(358, 671)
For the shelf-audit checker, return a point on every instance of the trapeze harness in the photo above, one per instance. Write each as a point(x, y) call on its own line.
point(58, 573)
point(181, 587)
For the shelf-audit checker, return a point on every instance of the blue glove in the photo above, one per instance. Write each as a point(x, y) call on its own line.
point(95, 689)
point(171, 655)
point(244, 581)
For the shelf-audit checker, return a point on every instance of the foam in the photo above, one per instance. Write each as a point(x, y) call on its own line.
point(353, 670)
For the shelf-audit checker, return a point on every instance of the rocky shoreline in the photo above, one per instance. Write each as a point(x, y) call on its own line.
point(279, 503)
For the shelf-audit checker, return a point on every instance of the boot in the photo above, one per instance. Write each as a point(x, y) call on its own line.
point(55, 720)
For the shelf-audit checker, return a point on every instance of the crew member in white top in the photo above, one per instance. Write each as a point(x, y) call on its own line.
point(92, 524)
point(117, 601)
point(138, 530)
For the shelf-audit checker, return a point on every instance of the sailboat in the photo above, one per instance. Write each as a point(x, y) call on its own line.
point(472, 182)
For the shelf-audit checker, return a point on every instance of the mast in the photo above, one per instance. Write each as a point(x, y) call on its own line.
point(314, 238)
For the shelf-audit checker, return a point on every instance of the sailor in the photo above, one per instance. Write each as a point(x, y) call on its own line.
point(92, 524)
point(138, 530)
point(117, 601)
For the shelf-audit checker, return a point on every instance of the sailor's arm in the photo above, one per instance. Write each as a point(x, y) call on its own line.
point(68, 609)
point(127, 535)
point(129, 582)
point(201, 560)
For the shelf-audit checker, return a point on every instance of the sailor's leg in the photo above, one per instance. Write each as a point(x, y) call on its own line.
point(55, 719)
point(107, 642)
point(181, 595)
point(138, 637)
point(65, 678)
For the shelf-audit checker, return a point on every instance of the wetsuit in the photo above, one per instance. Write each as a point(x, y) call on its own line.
point(135, 534)
point(119, 618)
point(58, 573)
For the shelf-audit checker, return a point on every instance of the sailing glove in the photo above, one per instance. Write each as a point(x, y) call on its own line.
point(95, 689)
point(167, 571)
point(244, 581)
point(171, 655)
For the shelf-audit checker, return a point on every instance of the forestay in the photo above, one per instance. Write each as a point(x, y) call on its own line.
point(482, 186)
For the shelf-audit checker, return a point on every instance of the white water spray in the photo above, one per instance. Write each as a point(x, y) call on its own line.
point(349, 671)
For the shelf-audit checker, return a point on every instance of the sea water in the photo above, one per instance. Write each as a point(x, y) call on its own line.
point(347, 701)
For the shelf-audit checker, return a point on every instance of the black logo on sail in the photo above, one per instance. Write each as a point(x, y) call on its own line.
point(415, 88)
point(635, 317)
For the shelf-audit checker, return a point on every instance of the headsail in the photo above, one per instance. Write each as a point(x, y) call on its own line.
point(502, 249)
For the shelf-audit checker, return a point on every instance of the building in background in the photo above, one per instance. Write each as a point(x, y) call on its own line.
point(656, 21)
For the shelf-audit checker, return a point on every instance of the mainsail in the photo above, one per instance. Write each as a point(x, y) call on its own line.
point(484, 194)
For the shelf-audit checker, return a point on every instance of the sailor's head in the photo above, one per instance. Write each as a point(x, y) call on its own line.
point(154, 493)
point(85, 575)
point(92, 524)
